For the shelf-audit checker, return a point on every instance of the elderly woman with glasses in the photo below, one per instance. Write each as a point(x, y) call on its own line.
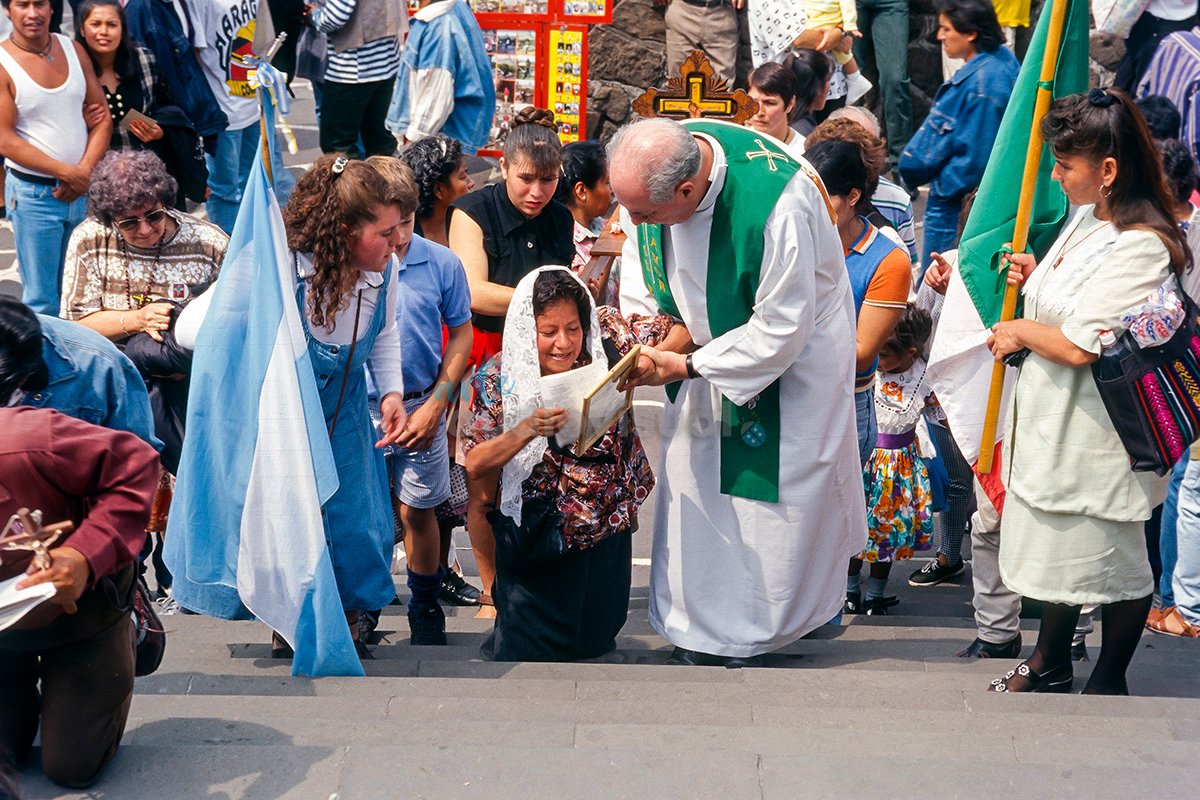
point(135, 257)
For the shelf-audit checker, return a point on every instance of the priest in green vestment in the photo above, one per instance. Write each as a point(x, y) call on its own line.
point(760, 487)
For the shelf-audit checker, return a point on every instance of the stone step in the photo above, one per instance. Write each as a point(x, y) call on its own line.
point(354, 747)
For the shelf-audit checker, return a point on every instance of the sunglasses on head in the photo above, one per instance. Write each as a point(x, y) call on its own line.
point(151, 217)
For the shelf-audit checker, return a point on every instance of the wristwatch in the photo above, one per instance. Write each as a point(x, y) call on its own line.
point(691, 368)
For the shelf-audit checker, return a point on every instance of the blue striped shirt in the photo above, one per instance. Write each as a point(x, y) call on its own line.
point(374, 61)
point(1175, 73)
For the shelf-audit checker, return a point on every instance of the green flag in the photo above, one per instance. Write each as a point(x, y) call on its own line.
point(993, 217)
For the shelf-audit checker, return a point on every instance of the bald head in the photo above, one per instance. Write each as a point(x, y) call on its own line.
point(654, 168)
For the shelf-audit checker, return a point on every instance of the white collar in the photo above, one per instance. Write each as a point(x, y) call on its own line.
point(716, 176)
point(366, 279)
point(434, 10)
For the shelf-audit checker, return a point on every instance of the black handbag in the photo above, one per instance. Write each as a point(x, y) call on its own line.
point(538, 539)
point(1152, 394)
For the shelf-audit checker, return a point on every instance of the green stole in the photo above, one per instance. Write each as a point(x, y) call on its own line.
point(757, 172)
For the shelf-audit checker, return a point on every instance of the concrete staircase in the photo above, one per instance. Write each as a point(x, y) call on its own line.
point(875, 708)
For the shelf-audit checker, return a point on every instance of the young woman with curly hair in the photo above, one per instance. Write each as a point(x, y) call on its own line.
point(440, 170)
point(343, 226)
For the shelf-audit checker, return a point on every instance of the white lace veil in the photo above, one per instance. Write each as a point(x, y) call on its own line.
point(520, 375)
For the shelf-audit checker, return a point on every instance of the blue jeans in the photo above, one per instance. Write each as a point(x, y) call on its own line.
point(1186, 584)
point(941, 228)
point(42, 227)
point(884, 24)
point(868, 427)
point(1166, 533)
point(229, 169)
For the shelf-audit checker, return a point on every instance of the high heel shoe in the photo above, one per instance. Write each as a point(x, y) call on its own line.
point(1054, 681)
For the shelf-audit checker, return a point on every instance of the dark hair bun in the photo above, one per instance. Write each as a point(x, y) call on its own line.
point(531, 115)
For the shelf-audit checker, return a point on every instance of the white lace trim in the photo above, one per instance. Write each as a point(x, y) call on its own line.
point(520, 375)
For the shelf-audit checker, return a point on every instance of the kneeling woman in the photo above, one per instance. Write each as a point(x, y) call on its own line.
point(574, 606)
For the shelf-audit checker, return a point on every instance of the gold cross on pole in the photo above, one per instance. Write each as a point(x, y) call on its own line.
point(24, 531)
point(767, 154)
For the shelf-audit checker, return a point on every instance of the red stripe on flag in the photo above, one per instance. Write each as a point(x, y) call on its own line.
point(993, 485)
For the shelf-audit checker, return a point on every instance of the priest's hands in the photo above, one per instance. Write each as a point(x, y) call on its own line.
point(656, 368)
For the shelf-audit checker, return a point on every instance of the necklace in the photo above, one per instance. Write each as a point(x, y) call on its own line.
point(43, 52)
point(1068, 246)
point(136, 301)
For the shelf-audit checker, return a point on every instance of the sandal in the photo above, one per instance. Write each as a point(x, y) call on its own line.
point(1055, 681)
point(1172, 623)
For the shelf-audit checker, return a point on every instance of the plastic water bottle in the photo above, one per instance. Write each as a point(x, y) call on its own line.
point(1112, 350)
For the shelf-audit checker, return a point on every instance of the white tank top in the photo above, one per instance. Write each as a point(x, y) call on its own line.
point(50, 119)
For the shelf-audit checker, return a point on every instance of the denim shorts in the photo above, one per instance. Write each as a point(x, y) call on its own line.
point(421, 478)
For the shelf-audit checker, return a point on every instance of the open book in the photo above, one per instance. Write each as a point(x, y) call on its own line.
point(589, 395)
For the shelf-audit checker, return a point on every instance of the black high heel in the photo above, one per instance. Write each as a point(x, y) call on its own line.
point(1055, 681)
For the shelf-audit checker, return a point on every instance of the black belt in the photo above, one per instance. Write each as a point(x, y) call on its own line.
point(706, 3)
point(40, 180)
point(414, 395)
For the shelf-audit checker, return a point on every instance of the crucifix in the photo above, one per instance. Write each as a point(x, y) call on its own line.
point(697, 92)
point(25, 531)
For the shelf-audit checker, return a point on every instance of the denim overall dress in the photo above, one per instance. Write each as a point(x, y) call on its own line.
point(359, 530)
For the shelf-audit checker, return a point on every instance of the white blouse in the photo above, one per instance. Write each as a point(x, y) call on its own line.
point(385, 361)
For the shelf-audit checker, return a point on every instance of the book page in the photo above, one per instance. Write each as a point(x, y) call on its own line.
point(15, 603)
point(567, 390)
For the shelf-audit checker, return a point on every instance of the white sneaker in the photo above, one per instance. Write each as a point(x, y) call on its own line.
point(857, 87)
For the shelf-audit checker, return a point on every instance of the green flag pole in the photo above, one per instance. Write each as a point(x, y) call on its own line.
point(1020, 239)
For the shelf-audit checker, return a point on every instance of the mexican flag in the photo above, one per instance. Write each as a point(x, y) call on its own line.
point(960, 366)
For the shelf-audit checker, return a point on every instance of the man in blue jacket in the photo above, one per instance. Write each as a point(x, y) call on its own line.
point(953, 145)
point(445, 82)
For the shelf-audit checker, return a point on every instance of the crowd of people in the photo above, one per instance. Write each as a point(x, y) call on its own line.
point(771, 278)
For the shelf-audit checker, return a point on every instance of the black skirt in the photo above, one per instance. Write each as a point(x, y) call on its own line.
point(566, 610)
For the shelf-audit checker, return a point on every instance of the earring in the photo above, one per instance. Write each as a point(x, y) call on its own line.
point(1106, 194)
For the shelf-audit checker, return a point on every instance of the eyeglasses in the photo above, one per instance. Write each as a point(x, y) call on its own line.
point(132, 223)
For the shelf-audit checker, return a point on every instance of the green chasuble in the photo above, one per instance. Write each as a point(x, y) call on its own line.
point(757, 172)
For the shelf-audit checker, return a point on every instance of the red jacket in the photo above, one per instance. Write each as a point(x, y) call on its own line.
point(102, 480)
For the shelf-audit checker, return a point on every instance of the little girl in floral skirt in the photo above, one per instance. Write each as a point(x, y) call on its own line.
point(896, 479)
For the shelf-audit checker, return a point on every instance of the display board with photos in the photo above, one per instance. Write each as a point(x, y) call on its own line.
point(566, 64)
point(539, 53)
point(515, 53)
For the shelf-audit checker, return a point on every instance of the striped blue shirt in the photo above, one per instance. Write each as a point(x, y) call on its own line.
point(374, 61)
point(1175, 73)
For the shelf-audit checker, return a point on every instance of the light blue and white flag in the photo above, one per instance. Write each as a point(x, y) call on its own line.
point(245, 534)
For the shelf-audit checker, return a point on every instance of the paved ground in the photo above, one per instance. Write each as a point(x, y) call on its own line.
point(877, 707)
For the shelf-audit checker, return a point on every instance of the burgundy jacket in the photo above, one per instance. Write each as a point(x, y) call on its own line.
point(102, 480)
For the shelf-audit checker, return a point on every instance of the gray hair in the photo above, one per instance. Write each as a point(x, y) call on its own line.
point(665, 152)
point(863, 116)
point(125, 180)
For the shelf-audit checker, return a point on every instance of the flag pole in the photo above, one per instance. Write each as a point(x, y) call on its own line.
point(1020, 239)
point(264, 126)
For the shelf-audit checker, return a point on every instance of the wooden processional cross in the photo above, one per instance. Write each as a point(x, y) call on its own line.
point(696, 93)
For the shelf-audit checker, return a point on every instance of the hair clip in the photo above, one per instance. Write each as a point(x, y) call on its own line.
point(442, 143)
point(339, 164)
point(1101, 98)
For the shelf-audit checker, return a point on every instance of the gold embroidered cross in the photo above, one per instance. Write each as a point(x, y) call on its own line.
point(769, 155)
